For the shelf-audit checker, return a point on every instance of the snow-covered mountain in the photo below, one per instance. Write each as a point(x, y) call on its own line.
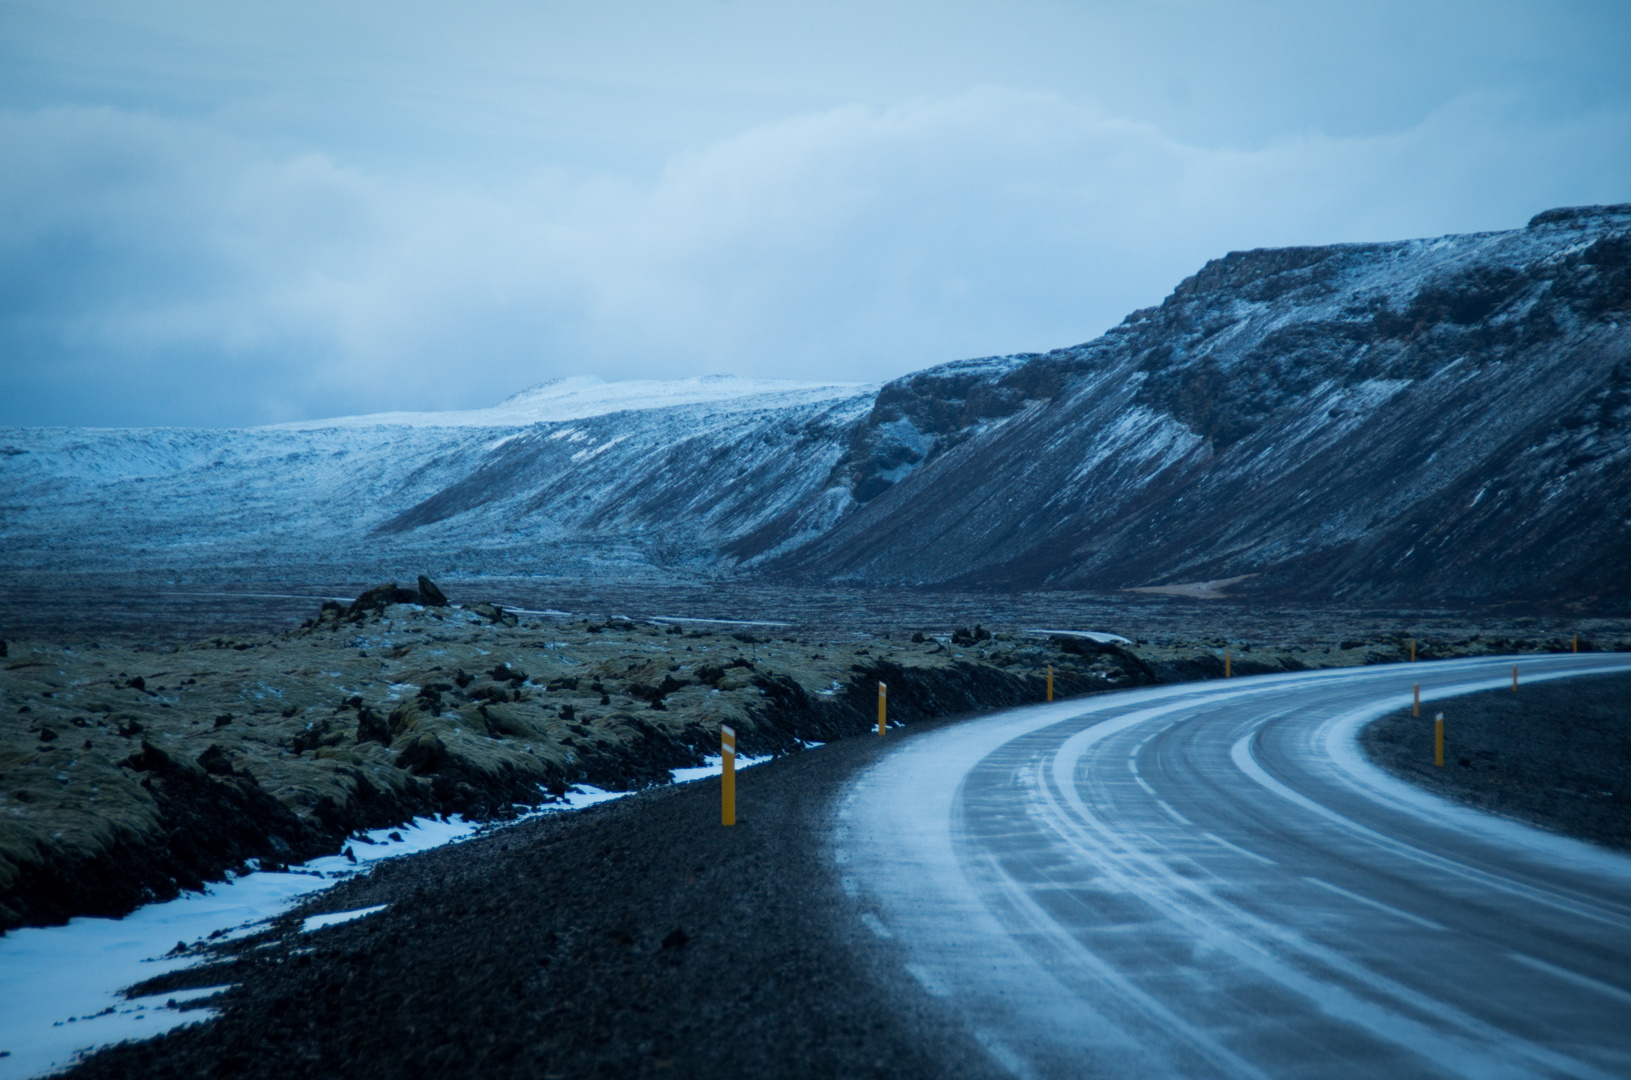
point(1397, 423)
point(572, 477)
point(1391, 423)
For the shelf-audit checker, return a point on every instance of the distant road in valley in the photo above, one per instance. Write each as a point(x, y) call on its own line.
point(1210, 880)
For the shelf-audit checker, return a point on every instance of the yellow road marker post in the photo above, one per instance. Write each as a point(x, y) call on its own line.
point(1226, 674)
point(727, 778)
point(1438, 740)
point(883, 706)
point(1577, 643)
point(1050, 682)
point(1415, 708)
point(1514, 678)
point(1412, 650)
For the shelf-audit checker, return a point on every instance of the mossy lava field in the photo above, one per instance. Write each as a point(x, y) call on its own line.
point(131, 772)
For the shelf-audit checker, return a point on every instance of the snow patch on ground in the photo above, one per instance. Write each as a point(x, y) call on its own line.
point(61, 984)
point(583, 795)
point(335, 918)
point(714, 766)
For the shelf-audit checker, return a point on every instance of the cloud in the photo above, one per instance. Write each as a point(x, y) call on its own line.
point(154, 270)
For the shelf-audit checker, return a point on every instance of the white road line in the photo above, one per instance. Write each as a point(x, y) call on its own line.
point(1175, 814)
point(1377, 904)
point(1243, 758)
point(1216, 839)
point(1382, 1006)
point(1585, 981)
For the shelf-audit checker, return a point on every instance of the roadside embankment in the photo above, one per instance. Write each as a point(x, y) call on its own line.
point(129, 774)
point(1556, 754)
point(635, 938)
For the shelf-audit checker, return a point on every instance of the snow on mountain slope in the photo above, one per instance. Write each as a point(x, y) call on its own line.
point(1409, 422)
point(608, 472)
point(1402, 423)
point(583, 396)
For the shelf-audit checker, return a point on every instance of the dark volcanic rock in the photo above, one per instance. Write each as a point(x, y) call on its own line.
point(429, 594)
point(380, 596)
point(372, 727)
point(212, 820)
point(505, 673)
point(423, 756)
point(148, 759)
point(215, 761)
point(494, 613)
point(1135, 669)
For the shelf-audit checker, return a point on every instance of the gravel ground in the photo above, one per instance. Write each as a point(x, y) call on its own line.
point(636, 938)
point(1556, 754)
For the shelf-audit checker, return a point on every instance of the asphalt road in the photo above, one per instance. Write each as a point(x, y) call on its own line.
point(1210, 880)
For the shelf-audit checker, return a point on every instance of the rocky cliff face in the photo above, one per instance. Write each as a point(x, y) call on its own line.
point(1399, 423)
point(1407, 423)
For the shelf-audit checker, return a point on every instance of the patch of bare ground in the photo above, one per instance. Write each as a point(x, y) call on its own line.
point(1556, 754)
point(1194, 590)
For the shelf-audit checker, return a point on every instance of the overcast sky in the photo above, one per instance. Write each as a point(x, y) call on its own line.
point(217, 212)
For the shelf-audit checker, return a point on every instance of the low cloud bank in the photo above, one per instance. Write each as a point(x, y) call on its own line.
point(160, 271)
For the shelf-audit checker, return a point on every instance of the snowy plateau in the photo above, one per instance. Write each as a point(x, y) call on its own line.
point(1396, 423)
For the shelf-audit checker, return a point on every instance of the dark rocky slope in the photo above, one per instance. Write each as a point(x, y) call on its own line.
point(1423, 421)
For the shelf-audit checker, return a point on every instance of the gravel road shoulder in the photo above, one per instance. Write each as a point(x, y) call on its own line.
point(636, 938)
point(1556, 754)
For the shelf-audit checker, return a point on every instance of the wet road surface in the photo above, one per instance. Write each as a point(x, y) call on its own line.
point(1210, 880)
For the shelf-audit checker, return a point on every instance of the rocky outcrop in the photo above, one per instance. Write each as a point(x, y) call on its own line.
point(193, 823)
point(429, 594)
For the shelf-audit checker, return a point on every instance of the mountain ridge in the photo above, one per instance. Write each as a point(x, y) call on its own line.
point(1164, 410)
point(1441, 420)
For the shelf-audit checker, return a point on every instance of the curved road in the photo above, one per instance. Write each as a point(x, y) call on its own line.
point(1210, 880)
